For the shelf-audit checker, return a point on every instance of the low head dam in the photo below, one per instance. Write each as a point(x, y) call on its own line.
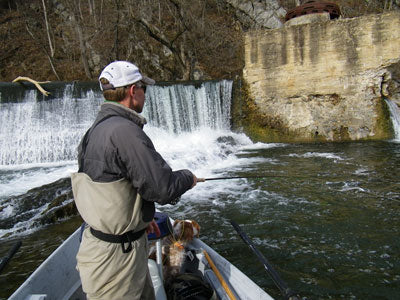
point(320, 81)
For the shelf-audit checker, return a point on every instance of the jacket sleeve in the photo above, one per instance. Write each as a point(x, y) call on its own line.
point(147, 170)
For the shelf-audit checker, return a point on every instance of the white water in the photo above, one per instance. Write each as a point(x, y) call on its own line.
point(340, 221)
point(189, 126)
point(36, 132)
point(183, 108)
point(395, 116)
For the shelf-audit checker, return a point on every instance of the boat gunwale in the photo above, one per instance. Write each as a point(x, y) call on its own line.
point(243, 286)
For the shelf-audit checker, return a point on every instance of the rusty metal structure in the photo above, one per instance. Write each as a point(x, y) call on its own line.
point(313, 7)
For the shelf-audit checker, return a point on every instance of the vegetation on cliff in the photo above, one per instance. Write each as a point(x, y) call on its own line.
point(73, 40)
point(170, 40)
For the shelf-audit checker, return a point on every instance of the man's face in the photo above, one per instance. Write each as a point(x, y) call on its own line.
point(138, 97)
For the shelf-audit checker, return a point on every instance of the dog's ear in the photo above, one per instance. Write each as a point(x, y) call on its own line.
point(196, 228)
point(176, 222)
point(177, 228)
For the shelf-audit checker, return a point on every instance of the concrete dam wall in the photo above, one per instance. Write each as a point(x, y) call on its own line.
point(321, 81)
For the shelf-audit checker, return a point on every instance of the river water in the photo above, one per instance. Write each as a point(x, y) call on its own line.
point(326, 215)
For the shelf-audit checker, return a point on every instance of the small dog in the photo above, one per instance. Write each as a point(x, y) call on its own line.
point(173, 249)
point(184, 232)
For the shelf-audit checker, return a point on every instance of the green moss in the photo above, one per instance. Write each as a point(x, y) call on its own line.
point(384, 127)
point(246, 117)
point(341, 134)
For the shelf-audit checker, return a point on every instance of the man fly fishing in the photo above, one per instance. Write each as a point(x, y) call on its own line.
point(120, 178)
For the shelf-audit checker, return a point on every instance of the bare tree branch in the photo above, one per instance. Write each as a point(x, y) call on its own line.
point(155, 33)
point(48, 29)
point(45, 51)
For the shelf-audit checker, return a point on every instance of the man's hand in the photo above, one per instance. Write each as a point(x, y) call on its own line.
point(194, 181)
point(153, 228)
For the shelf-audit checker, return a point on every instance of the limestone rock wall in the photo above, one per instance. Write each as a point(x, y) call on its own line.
point(322, 80)
point(258, 13)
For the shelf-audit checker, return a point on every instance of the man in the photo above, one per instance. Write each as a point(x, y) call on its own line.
point(120, 178)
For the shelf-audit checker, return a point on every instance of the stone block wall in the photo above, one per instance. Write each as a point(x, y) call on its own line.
point(321, 81)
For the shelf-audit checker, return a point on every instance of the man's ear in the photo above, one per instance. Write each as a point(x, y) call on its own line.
point(132, 90)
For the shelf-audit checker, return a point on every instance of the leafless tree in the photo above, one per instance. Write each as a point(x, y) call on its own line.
point(388, 5)
point(36, 36)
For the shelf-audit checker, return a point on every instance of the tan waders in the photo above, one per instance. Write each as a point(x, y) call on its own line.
point(114, 209)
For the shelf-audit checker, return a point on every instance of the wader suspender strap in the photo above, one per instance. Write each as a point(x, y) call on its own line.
point(85, 141)
point(127, 237)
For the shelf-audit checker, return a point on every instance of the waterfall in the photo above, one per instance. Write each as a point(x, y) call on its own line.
point(188, 124)
point(44, 131)
point(181, 108)
point(395, 117)
point(48, 131)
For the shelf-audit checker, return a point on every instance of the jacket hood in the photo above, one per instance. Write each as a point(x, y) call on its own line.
point(114, 108)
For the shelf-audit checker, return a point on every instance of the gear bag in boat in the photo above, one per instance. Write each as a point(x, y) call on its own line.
point(188, 286)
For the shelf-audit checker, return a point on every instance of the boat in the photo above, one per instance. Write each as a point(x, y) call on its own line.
point(57, 278)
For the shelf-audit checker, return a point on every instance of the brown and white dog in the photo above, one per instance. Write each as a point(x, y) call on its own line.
point(183, 233)
point(173, 248)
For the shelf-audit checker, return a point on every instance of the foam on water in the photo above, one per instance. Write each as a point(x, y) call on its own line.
point(329, 221)
point(16, 180)
point(318, 155)
point(189, 126)
point(205, 151)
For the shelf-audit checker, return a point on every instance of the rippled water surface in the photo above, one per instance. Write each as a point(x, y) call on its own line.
point(329, 221)
point(327, 216)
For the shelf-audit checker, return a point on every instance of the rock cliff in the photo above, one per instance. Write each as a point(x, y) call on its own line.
point(321, 81)
point(258, 14)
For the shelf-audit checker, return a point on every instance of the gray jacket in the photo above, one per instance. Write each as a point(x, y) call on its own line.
point(118, 148)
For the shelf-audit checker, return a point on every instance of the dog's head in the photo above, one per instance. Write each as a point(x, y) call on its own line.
point(185, 230)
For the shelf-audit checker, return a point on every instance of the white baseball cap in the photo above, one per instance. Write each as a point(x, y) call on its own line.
point(122, 73)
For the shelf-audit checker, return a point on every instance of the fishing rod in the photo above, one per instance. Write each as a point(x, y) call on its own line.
point(227, 177)
point(245, 177)
point(283, 287)
point(10, 254)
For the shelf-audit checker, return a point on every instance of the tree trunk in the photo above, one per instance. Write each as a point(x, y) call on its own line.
point(83, 49)
point(388, 4)
point(70, 18)
point(48, 29)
